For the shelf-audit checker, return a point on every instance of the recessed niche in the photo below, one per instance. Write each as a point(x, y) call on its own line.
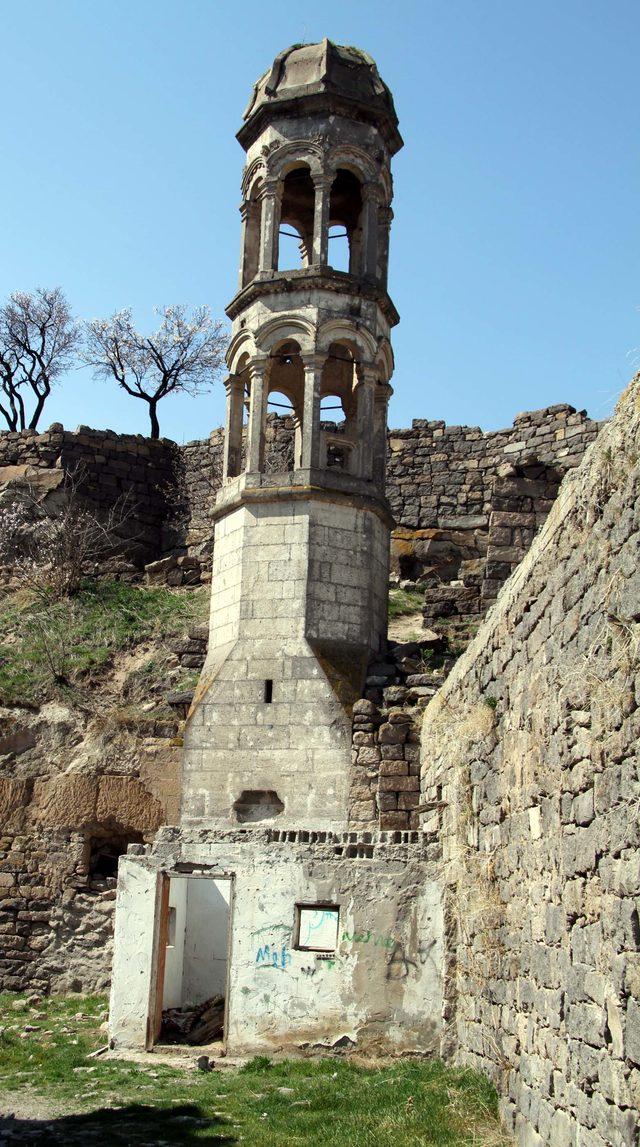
point(257, 804)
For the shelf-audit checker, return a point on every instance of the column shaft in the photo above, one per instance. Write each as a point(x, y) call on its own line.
point(321, 221)
point(382, 395)
point(233, 428)
point(257, 416)
point(310, 458)
point(370, 230)
point(269, 228)
point(365, 425)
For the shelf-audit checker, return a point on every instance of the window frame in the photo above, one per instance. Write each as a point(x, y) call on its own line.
point(314, 906)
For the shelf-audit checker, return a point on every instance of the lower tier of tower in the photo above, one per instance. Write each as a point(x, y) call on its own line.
point(298, 606)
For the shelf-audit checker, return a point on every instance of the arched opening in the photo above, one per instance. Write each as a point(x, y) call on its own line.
point(284, 408)
point(252, 220)
point(279, 434)
point(295, 246)
point(338, 407)
point(345, 223)
point(104, 851)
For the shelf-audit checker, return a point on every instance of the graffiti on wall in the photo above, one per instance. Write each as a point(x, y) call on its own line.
point(273, 943)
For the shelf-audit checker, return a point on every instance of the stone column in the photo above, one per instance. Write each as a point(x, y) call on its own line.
point(310, 455)
point(370, 229)
point(234, 387)
point(322, 184)
point(381, 397)
point(258, 369)
point(367, 376)
point(244, 212)
point(385, 216)
point(297, 444)
point(270, 225)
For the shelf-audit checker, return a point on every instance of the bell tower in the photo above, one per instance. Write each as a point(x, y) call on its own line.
point(300, 571)
point(287, 924)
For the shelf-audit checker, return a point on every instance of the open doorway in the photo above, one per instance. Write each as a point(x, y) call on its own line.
point(192, 959)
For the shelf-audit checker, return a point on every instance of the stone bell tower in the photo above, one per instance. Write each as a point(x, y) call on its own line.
point(300, 573)
point(265, 909)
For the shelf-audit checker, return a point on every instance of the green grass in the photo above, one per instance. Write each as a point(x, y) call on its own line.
point(47, 647)
point(405, 601)
point(332, 1101)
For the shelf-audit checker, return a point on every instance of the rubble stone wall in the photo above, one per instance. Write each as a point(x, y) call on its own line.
point(60, 839)
point(531, 777)
point(442, 476)
point(107, 467)
point(440, 480)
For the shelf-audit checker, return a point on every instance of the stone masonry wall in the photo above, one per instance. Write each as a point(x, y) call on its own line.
point(441, 476)
point(107, 467)
point(531, 775)
point(440, 483)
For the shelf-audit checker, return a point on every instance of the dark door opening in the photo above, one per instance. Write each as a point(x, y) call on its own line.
point(192, 961)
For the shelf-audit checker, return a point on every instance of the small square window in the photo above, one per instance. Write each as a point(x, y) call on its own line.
point(317, 927)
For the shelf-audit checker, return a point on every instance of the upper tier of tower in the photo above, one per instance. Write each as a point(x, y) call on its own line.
point(312, 316)
point(319, 133)
point(308, 77)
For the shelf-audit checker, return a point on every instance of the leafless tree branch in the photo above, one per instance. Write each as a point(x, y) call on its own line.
point(184, 354)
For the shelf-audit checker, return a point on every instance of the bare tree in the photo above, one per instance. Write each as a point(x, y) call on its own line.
point(184, 354)
point(38, 340)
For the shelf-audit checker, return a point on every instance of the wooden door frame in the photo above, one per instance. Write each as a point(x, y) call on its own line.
point(158, 958)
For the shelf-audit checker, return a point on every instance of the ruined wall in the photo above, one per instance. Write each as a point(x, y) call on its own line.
point(62, 832)
point(441, 476)
point(531, 776)
point(440, 484)
point(108, 467)
point(379, 991)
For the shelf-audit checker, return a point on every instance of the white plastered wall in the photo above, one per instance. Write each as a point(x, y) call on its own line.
point(381, 988)
point(137, 908)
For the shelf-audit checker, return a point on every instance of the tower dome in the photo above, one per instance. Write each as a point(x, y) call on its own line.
point(309, 77)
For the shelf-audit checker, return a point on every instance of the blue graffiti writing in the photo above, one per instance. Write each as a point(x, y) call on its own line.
point(276, 956)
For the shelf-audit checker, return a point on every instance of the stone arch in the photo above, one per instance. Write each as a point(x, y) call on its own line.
point(242, 349)
point(282, 329)
point(384, 361)
point(343, 331)
point(292, 154)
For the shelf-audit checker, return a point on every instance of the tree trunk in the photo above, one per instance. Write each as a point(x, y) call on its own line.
point(155, 425)
point(33, 425)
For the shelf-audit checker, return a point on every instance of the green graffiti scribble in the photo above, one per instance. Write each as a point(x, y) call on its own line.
point(365, 937)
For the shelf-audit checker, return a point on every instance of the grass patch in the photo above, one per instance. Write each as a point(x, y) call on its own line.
point(405, 601)
point(331, 1101)
point(45, 647)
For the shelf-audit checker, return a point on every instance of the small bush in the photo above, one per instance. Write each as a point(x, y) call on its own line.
point(405, 601)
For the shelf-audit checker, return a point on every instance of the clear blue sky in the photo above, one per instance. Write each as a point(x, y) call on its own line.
point(516, 237)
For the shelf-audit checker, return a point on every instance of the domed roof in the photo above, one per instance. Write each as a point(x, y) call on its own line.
point(324, 73)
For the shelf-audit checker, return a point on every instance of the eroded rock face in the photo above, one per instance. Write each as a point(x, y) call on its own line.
point(75, 791)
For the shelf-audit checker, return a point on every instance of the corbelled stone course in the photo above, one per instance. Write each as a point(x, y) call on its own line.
point(531, 778)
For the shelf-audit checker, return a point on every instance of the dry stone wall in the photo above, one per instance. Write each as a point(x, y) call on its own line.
point(531, 777)
point(440, 484)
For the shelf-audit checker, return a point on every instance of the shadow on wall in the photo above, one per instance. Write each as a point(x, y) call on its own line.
point(131, 1125)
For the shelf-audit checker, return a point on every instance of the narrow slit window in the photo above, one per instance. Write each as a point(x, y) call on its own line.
point(268, 692)
point(316, 927)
